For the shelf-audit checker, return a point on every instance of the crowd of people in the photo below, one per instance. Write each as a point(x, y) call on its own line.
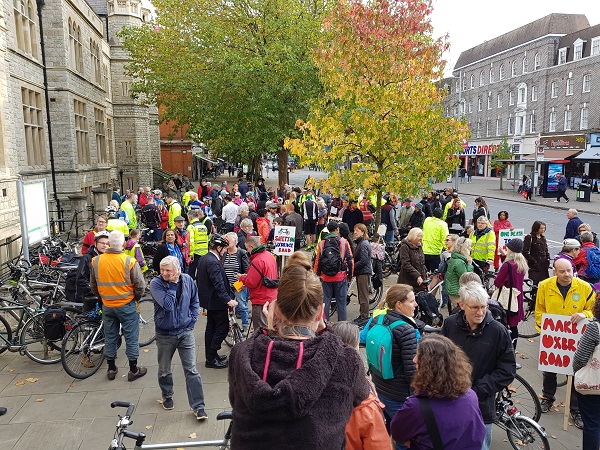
point(298, 378)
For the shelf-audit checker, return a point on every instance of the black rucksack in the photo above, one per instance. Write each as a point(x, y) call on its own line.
point(54, 323)
point(331, 261)
point(71, 285)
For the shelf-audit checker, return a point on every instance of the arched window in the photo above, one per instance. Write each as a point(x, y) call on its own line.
point(525, 65)
point(536, 61)
point(501, 72)
point(472, 84)
point(491, 75)
point(481, 78)
point(513, 69)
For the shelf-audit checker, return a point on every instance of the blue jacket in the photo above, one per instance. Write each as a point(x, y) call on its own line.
point(172, 316)
point(562, 184)
point(572, 230)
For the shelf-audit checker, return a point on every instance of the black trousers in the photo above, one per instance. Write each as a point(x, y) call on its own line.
point(217, 327)
point(562, 194)
point(549, 390)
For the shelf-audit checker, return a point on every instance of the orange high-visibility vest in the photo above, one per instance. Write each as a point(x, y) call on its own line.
point(113, 278)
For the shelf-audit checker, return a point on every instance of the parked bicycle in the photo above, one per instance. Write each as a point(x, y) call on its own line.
point(235, 334)
point(527, 327)
point(122, 432)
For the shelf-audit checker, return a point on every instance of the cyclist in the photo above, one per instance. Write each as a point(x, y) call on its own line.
point(82, 277)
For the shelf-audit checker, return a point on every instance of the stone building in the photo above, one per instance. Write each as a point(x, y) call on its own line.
point(65, 110)
point(537, 85)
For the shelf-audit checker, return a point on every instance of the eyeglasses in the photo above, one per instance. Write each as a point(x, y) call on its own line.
point(477, 307)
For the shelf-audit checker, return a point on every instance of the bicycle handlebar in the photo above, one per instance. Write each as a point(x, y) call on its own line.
point(130, 407)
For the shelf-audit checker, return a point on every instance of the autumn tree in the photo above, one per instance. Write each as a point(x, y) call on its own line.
point(380, 110)
point(499, 157)
point(239, 73)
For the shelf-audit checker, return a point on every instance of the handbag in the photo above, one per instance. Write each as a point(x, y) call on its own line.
point(271, 283)
point(587, 379)
point(524, 193)
point(505, 296)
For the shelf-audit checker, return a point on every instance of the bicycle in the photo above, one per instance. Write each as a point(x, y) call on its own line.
point(522, 432)
point(487, 275)
point(526, 327)
point(122, 432)
point(374, 294)
point(235, 334)
point(82, 349)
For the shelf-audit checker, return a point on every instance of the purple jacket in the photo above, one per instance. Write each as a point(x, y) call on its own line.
point(459, 422)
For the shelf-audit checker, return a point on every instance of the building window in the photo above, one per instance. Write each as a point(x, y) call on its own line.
point(554, 89)
point(569, 86)
point(532, 123)
point(128, 148)
point(552, 124)
point(470, 106)
point(481, 78)
point(110, 141)
point(25, 26)
point(513, 69)
point(525, 64)
point(491, 75)
point(487, 128)
point(33, 123)
point(461, 106)
point(125, 88)
point(583, 117)
point(472, 82)
point(489, 101)
point(587, 82)
point(534, 93)
point(96, 68)
point(568, 118)
point(536, 61)
point(519, 125)
point(498, 126)
point(81, 132)
point(479, 104)
point(578, 50)
point(457, 86)
point(105, 82)
point(562, 56)
point(522, 94)
point(595, 46)
point(499, 99)
point(75, 46)
point(478, 134)
point(509, 128)
point(501, 72)
point(511, 98)
point(100, 135)
point(464, 83)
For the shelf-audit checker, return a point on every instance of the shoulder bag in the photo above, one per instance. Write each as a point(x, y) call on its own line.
point(271, 283)
point(431, 424)
point(587, 379)
point(507, 297)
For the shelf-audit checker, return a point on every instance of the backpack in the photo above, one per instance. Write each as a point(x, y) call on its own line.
point(498, 312)
point(379, 346)
point(428, 309)
point(330, 257)
point(71, 285)
point(54, 323)
point(593, 259)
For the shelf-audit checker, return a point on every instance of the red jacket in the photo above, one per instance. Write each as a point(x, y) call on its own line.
point(142, 200)
point(364, 207)
point(264, 262)
point(580, 260)
point(264, 228)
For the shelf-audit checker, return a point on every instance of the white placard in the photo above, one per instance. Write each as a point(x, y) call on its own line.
point(504, 236)
point(284, 239)
point(559, 338)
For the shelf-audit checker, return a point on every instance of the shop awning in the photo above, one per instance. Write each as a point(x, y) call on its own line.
point(592, 155)
point(204, 158)
point(557, 156)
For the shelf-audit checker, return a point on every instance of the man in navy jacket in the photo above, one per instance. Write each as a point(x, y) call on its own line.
point(572, 229)
point(215, 296)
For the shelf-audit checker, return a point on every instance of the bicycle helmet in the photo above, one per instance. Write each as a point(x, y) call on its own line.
point(101, 234)
point(216, 240)
point(111, 212)
point(157, 192)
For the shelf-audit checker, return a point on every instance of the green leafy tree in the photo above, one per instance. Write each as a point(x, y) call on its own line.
point(504, 152)
point(381, 110)
point(239, 73)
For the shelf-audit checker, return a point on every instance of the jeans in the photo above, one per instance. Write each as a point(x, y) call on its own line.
point(128, 317)
point(339, 290)
point(217, 327)
point(391, 408)
point(549, 390)
point(242, 307)
point(588, 407)
point(487, 441)
point(185, 344)
point(389, 235)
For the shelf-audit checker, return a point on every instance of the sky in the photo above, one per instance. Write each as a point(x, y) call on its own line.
point(472, 22)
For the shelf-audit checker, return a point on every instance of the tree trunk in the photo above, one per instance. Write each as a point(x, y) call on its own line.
point(282, 164)
point(377, 211)
point(501, 174)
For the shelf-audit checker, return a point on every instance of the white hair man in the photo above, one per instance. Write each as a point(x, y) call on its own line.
point(176, 309)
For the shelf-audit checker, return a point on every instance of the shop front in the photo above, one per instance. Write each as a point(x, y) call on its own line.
point(476, 156)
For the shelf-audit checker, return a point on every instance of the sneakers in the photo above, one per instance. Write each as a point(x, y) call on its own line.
point(576, 418)
point(519, 366)
point(112, 374)
point(556, 201)
point(567, 201)
point(200, 414)
point(168, 404)
point(546, 405)
point(131, 376)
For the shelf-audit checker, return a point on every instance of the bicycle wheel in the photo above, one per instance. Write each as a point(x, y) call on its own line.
point(374, 296)
point(525, 398)
point(524, 433)
point(526, 327)
point(6, 333)
point(387, 267)
point(238, 335)
point(82, 351)
point(35, 345)
point(561, 380)
point(229, 339)
point(147, 331)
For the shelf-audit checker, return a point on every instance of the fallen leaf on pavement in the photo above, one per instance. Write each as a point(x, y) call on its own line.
point(11, 370)
point(31, 380)
point(148, 427)
point(530, 340)
point(192, 436)
point(39, 400)
point(159, 401)
point(553, 437)
point(19, 383)
point(524, 356)
point(146, 350)
point(73, 384)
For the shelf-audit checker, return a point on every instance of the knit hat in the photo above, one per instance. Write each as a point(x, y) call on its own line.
point(515, 245)
point(420, 206)
point(438, 213)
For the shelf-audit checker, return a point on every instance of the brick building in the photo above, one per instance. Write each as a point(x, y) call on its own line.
point(65, 110)
point(537, 85)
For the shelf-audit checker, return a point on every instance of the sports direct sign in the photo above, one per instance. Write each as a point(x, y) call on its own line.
point(505, 236)
point(559, 338)
point(284, 239)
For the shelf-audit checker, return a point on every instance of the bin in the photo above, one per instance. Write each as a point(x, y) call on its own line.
point(584, 192)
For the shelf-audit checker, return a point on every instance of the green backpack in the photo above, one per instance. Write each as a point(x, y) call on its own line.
point(379, 346)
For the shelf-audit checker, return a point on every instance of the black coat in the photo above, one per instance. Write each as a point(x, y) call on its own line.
point(159, 255)
point(362, 258)
point(535, 251)
point(404, 349)
point(491, 353)
point(214, 290)
point(82, 277)
point(455, 216)
point(417, 219)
